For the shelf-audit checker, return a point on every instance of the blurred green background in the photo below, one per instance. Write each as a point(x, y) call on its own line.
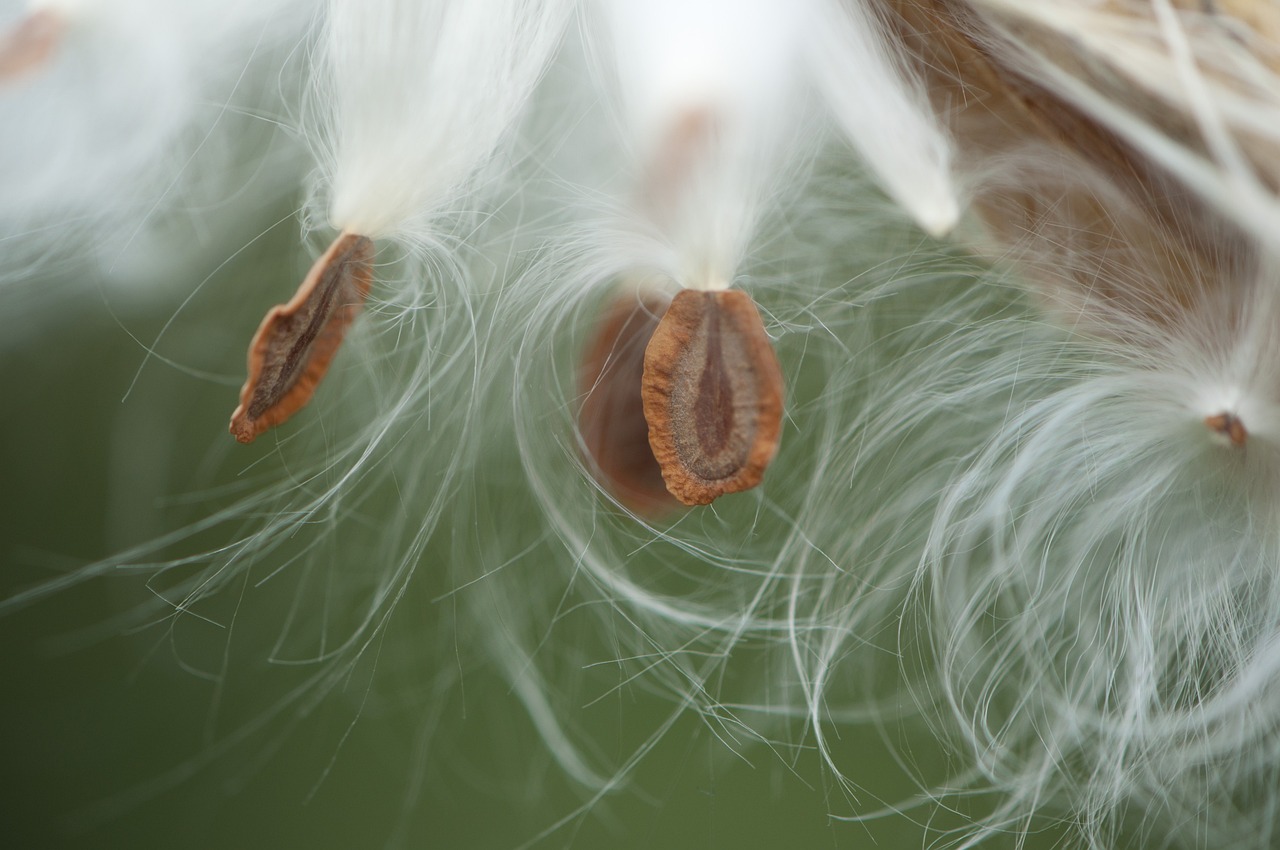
point(127, 727)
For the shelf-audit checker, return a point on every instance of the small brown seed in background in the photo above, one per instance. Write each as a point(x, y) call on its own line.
point(296, 341)
point(1228, 425)
point(712, 395)
point(30, 44)
point(615, 435)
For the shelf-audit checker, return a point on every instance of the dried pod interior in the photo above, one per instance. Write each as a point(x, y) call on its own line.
point(1104, 234)
point(615, 435)
point(712, 396)
point(296, 341)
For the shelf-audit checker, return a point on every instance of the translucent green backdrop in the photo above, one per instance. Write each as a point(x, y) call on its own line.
point(182, 732)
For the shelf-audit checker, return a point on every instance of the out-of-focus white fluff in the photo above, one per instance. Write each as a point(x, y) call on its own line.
point(418, 96)
point(138, 104)
point(1137, 64)
point(883, 107)
point(709, 109)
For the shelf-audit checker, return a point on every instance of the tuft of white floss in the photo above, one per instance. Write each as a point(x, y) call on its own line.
point(416, 97)
point(1100, 585)
point(1098, 582)
point(883, 107)
point(102, 134)
point(710, 110)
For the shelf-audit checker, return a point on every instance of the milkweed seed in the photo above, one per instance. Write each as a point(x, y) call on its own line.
point(296, 341)
point(712, 393)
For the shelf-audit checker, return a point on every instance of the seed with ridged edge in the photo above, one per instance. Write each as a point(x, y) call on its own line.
point(712, 393)
point(296, 341)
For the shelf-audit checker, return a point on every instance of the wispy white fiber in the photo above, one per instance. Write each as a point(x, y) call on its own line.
point(102, 137)
point(1102, 595)
point(418, 95)
point(885, 111)
point(710, 107)
point(1189, 62)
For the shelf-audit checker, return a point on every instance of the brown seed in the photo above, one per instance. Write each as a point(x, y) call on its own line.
point(712, 395)
point(615, 435)
point(296, 341)
point(30, 44)
point(1228, 425)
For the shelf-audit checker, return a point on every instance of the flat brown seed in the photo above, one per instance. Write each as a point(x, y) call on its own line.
point(296, 341)
point(615, 435)
point(30, 44)
point(712, 395)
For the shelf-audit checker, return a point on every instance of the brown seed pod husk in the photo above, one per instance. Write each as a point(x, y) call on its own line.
point(1103, 231)
point(615, 435)
point(712, 394)
point(296, 342)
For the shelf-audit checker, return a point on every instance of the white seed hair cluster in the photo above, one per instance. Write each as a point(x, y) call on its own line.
point(1027, 308)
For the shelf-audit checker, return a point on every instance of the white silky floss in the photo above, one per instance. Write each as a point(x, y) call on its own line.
point(710, 111)
point(418, 97)
point(134, 107)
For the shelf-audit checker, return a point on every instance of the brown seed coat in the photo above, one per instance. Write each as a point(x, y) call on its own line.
point(615, 435)
point(712, 394)
point(296, 341)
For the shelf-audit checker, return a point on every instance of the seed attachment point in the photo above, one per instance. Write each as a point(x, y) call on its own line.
point(1228, 426)
point(712, 393)
point(296, 342)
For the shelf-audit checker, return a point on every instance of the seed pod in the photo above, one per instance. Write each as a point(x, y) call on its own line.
point(615, 435)
point(712, 395)
point(296, 341)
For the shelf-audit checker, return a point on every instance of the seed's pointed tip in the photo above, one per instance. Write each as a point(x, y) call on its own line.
point(1228, 427)
point(30, 44)
point(241, 428)
point(295, 343)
